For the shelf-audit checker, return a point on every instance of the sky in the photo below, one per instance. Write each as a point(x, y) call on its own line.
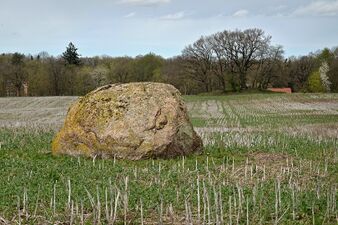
point(163, 27)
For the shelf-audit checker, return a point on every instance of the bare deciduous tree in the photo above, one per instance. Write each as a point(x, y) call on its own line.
point(242, 49)
point(18, 74)
point(268, 67)
point(120, 69)
point(299, 71)
point(220, 60)
point(198, 58)
point(56, 72)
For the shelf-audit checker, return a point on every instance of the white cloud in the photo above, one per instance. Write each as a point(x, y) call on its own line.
point(144, 2)
point(323, 8)
point(174, 16)
point(132, 14)
point(241, 13)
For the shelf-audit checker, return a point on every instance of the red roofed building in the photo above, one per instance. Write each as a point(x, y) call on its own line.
point(281, 90)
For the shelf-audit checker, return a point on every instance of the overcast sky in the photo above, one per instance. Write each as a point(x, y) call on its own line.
point(164, 27)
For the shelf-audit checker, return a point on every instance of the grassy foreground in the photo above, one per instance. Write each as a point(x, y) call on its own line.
point(268, 159)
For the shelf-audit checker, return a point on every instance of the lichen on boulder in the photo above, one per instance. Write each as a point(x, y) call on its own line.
point(129, 121)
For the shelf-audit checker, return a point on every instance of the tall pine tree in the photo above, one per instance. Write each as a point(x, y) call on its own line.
point(71, 56)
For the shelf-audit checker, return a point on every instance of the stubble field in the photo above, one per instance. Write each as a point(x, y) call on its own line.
point(268, 159)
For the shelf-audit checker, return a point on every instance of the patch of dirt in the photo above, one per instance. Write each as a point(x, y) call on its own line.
point(263, 166)
point(273, 162)
point(268, 158)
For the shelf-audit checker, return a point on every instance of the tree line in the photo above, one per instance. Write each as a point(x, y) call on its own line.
point(227, 61)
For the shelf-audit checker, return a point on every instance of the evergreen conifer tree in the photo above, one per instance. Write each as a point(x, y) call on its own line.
point(71, 56)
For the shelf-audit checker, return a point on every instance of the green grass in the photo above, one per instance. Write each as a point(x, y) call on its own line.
point(253, 169)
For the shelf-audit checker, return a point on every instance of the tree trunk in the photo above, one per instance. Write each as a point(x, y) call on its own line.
point(206, 86)
point(233, 83)
point(223, 85)
point(17, 90)
point(56, 84)
point(242, 77)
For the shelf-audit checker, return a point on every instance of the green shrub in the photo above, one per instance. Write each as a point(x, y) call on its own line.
point(315, 83)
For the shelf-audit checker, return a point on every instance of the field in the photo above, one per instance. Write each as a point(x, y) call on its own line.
point(268, 159)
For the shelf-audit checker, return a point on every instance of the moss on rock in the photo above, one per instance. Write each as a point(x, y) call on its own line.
point(132, 121)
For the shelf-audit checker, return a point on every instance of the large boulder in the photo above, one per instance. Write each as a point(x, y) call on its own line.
point(130, 121)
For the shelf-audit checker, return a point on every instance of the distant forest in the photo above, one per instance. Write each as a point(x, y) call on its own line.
point(227, 61)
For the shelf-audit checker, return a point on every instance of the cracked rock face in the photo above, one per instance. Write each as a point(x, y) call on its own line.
point(130, 121)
